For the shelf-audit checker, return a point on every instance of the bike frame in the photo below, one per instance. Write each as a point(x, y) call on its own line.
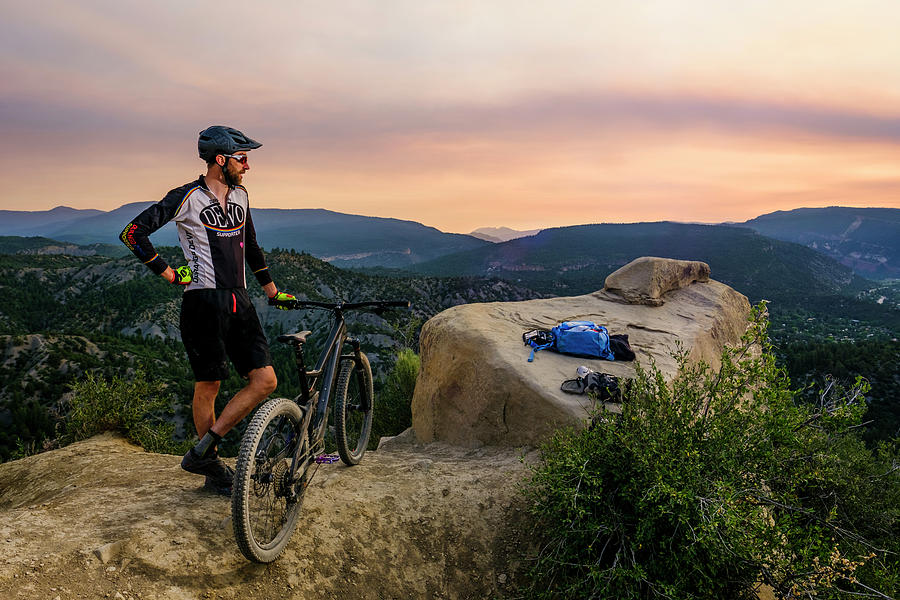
point(315, 403)
point(327, 369)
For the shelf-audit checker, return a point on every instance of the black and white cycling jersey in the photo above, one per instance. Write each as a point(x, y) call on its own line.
point(215, 241)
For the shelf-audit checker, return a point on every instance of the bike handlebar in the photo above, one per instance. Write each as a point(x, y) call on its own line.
point(377, 304)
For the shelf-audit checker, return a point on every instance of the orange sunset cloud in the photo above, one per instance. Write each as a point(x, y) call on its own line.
point(461, 116)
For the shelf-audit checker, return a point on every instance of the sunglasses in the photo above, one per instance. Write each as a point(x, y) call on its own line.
point(241, 158)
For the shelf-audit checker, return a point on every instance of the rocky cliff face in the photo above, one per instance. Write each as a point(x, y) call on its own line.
point(476, 387)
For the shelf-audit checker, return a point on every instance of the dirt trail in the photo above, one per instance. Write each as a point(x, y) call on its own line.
point(408, 522)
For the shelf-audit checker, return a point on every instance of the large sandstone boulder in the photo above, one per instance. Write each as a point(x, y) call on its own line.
point(644, 280)
point(476, 387)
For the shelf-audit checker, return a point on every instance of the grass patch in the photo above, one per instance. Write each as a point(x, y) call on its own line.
point(131, 406)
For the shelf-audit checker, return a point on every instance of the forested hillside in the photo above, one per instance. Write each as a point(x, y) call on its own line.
point(61, 315)
point(810, 364)
point(865, 239)
point(41, 245)
point(570, 260)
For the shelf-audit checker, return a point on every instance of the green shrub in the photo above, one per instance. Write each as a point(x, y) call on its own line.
point(392, 406)
point(712, 483)
point(129, 406)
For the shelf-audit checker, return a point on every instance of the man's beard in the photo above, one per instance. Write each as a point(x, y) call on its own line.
point(232, 176)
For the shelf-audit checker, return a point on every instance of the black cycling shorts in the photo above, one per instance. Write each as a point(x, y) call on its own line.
point(218, 324)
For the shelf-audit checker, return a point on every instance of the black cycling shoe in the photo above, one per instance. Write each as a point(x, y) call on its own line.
point(222, 473)
point(219, 476)
point(195, 464)
point(211, 466)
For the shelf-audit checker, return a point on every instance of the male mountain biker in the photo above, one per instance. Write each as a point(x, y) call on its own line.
point(218, 322)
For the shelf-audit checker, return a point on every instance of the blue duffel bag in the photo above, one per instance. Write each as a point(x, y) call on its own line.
point(583, 338)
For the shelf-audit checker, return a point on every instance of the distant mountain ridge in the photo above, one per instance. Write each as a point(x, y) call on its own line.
point(577, 259)
point(501, 234)
point(344, 240)
point(865, 239)
point(13, 221)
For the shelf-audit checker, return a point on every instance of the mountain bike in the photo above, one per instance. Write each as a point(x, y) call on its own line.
point(285, 441)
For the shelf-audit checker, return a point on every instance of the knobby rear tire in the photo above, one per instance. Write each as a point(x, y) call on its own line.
point(264, 511)
point(353, 423)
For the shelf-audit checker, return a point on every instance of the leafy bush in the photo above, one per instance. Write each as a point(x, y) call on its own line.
point(392, 407)
point(715, 482)
point(128, 406)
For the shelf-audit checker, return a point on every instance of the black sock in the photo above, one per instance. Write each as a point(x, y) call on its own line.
point(206, 447)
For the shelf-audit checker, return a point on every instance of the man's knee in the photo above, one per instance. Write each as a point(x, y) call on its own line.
point(264, 379)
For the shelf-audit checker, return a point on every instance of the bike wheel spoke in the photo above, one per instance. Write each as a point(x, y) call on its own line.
point(268, 510)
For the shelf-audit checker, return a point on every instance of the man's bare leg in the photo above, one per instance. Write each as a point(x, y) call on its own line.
point(204, 406)
point(262, 382)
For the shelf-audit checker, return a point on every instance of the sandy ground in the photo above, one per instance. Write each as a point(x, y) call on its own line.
point(410, 521)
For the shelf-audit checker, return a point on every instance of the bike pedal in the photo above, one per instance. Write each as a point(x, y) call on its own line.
point(327, 459)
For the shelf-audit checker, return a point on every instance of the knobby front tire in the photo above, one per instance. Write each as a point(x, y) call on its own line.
point(265, 503)
point(353, 409)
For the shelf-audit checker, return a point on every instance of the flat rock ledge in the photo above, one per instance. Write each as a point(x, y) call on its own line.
point(476, 388)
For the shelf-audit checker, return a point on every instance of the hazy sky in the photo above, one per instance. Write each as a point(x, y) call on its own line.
point(460, 114)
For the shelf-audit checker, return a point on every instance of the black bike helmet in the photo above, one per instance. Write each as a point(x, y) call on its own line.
point(220, 139)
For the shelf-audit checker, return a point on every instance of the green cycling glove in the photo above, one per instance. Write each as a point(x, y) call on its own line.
point(182, 275)
point(281, 300)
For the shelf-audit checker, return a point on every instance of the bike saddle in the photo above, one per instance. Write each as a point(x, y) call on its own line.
point(294, 338)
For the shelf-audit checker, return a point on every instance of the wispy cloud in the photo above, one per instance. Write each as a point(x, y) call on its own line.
point(344, 126)
point(672, 108)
